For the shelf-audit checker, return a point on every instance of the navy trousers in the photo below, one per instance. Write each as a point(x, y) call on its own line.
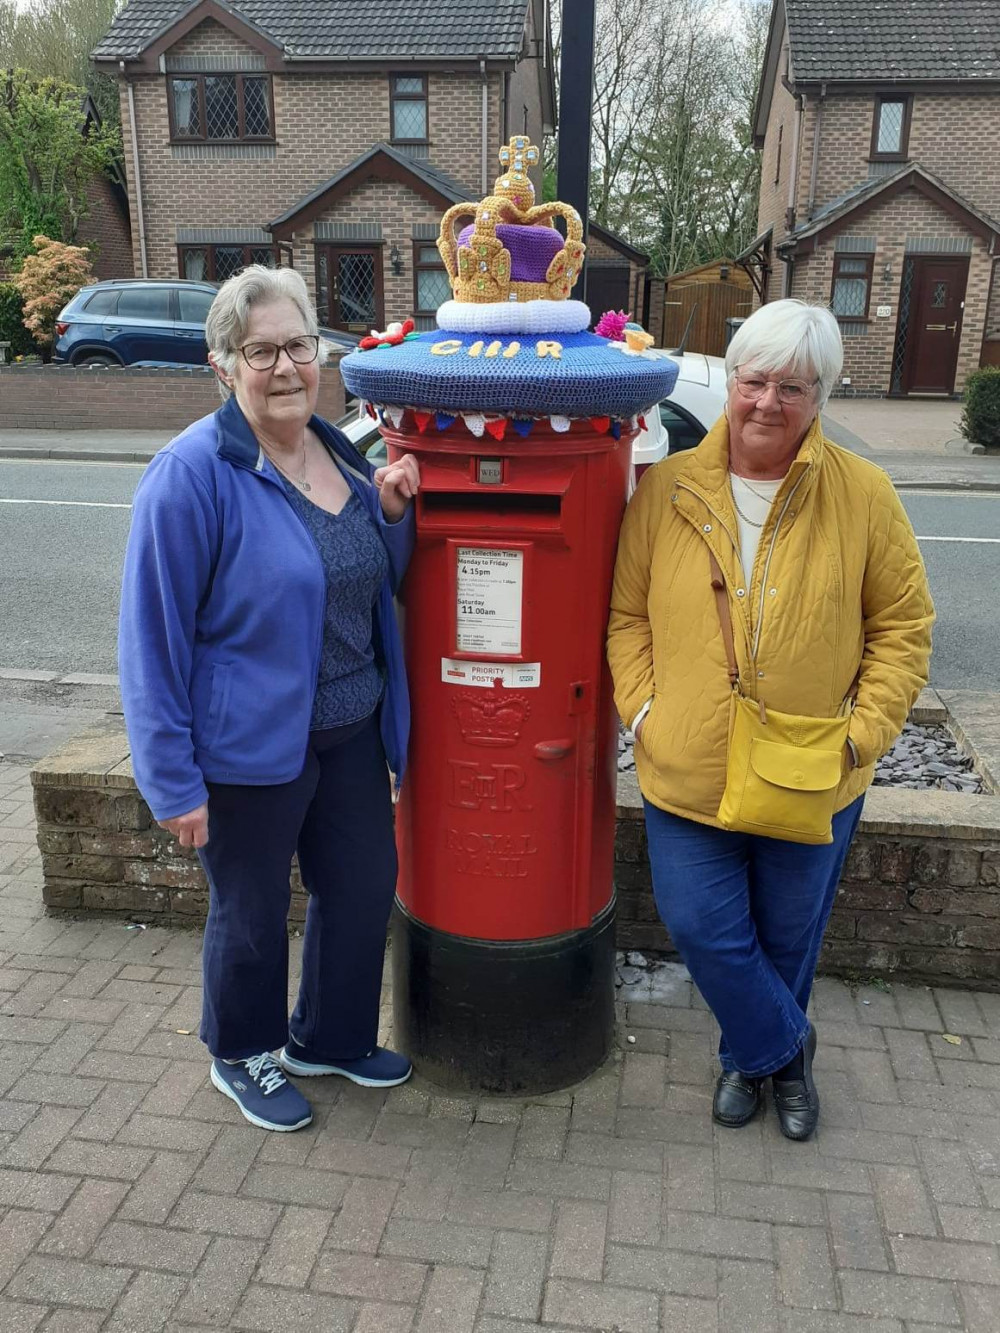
point(337, 815)
point(747, 915)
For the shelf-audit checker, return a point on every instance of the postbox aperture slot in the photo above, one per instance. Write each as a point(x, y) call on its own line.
point(490, 502)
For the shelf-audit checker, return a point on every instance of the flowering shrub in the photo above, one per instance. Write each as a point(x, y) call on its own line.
point(47, 280)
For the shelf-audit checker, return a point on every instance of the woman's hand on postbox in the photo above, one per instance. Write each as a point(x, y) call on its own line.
point(190, 830)
point(397, 484)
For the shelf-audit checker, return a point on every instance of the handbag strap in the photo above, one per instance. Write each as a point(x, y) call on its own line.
point(725, 619)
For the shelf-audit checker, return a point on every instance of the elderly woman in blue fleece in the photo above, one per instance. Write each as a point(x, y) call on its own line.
point(265, 697)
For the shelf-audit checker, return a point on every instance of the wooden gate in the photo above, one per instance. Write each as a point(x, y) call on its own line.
point(715, 301)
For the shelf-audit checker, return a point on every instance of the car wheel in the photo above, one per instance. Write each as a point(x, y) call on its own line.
point(95, 359)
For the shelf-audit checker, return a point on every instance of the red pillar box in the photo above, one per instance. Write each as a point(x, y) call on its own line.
point(503, 953)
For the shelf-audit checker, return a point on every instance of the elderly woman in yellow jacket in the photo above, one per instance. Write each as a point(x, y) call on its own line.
point(766, 571)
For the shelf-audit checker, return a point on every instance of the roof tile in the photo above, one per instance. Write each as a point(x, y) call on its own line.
point(345, 29)
point(894, 40)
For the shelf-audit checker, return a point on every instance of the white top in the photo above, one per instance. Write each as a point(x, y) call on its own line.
point(753, 504)
point(754, 498)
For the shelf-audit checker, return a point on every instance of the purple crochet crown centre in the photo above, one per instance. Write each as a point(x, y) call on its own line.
point(532, 249)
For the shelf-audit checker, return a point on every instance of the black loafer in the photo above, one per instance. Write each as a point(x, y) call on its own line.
point(796, 1100)
point(737, 1099)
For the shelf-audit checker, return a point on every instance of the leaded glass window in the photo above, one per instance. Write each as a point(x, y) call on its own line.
point(851, 285)
point(222, 113)
point(220, 108)
point(256, 109)
point(431, 279)
point(187, 108)
point(891, 128)
point(408, 103)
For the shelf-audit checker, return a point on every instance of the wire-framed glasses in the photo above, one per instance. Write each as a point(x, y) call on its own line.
point(264, 356)
point(789, 391)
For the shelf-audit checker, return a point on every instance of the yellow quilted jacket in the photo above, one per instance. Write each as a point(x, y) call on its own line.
point(838, 583)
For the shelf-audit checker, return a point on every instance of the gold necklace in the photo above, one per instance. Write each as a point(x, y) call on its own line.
point(300, 481)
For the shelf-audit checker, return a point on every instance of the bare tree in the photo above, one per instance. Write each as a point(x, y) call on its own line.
point(673, 167)
point(54, 39)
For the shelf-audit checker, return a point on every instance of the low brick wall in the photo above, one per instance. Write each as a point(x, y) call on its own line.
point(126, 398)
point(919, 899)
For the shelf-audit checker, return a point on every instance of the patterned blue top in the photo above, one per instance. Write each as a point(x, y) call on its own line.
point(355, 562)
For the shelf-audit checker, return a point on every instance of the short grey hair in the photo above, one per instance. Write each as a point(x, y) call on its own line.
point(790, 333)
point(229, 314)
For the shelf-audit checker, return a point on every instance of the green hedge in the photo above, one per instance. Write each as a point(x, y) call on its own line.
point(981, 418)
point(12, 329)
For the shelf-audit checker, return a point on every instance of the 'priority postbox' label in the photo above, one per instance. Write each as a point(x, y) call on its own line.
point(512, 675)
point(489, 587)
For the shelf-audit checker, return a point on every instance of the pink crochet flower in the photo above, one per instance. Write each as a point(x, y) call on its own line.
point(612, 324)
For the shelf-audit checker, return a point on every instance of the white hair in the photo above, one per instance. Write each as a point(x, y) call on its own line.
point(804, 338)
point(229, 314)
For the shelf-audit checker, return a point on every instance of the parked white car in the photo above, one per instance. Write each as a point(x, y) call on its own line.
point(682, 421)
point(685, 417)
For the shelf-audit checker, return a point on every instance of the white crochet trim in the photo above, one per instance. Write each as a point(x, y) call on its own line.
point(513, 317)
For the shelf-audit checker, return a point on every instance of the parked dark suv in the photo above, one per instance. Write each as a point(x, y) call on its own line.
point(124, 321)
point(127, 321)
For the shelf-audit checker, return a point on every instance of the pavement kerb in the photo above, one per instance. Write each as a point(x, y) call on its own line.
point(81, 455)
point(84, 455)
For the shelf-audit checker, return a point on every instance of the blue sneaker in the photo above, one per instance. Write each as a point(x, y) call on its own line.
point(261, 1091)
point(378, 1069)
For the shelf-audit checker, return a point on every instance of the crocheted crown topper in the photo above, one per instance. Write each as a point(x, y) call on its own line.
point(512, 251)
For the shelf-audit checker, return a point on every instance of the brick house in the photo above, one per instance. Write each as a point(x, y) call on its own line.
point(328, 137)
point(106, 227)
point(880, 183)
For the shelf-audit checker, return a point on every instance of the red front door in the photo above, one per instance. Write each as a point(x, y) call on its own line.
point(935, 324)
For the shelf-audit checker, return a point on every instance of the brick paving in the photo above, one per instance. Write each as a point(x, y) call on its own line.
point(133, 1198)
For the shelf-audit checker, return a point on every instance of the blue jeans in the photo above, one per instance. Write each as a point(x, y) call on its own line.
point(337, 815)
point(747, 915)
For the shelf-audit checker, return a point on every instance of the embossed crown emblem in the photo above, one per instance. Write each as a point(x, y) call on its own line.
point(512, 251)
point(490, 717)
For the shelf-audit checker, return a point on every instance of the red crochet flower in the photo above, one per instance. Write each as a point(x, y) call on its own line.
point(393, 336)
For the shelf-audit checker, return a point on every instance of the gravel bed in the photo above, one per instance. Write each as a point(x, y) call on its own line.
point(923, 758)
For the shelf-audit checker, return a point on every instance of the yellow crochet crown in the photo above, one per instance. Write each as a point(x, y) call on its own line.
point(480, 270)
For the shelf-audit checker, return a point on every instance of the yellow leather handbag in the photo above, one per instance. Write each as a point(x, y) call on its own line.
point(783, 771)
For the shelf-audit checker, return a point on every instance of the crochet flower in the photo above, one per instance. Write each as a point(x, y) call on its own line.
point(393, 336)
point(612, 324)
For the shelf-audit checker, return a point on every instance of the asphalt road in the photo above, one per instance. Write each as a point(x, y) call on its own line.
point(62, 537)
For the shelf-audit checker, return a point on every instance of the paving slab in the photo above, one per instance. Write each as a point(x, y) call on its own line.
point(132, 1196)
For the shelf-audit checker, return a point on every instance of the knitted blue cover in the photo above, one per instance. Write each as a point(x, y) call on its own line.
point(589, 378)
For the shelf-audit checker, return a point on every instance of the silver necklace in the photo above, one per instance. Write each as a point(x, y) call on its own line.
point(299, 481)
point(743, 516)
point(767, 499)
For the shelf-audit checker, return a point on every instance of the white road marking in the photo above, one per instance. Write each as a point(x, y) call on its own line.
point(71, 504)
point(984, 541)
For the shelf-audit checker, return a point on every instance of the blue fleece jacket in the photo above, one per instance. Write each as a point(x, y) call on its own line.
point(221, 624)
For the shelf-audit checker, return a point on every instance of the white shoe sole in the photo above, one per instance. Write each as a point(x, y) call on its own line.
point(227, 1091)
point(300, 1070)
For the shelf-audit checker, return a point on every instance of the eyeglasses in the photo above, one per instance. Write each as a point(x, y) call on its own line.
point(788, 391)
point(264, 356)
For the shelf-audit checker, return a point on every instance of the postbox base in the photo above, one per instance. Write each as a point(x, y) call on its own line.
point(516, 1018)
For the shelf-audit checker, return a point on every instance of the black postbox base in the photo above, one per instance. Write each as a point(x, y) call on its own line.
point(516, 1018)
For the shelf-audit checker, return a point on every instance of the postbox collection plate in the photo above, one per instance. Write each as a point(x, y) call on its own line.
point(489, 471)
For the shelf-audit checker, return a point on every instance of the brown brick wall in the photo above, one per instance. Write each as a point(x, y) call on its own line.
point(868, 358)
point(952, 135)
point(322, 122)
point(60, 398)
point(924, 909)
point(397, 208)
point(106, 230)
point(774, 195)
